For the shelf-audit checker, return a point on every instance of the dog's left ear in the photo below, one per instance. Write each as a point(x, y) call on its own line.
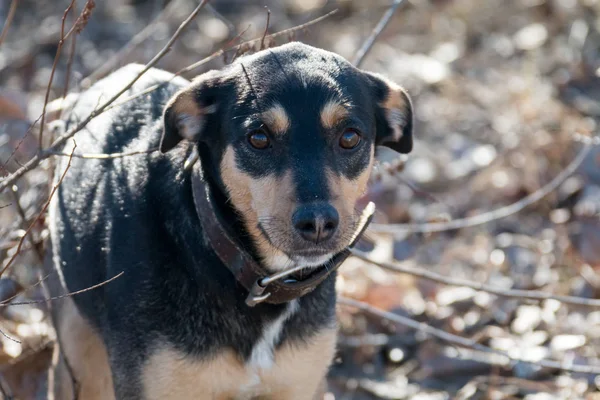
point(393, 114)
point(187, 112)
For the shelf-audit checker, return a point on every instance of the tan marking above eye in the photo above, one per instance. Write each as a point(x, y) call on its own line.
point(276, 119)
point(332, 113)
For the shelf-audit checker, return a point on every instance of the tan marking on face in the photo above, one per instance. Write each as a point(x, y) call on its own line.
point(297, 374)
point(86, 354)
point(276, 119)
point(267, 200)
point(346, 193)
point(332, 113)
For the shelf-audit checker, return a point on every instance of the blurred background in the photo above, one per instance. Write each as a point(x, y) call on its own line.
point(499, 89)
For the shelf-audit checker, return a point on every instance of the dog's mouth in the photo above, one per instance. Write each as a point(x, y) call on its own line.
point(311, 259)
point(311, 256)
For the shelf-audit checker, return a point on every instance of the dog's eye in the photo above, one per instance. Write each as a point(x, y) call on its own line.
point(259, 140)
point(349, 139)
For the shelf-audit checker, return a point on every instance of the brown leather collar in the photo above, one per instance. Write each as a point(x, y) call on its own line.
point(262, 285)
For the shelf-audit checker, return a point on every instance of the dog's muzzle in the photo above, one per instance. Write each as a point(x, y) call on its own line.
point(262, 286)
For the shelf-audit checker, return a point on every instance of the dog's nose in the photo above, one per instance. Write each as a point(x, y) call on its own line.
point(316, 222)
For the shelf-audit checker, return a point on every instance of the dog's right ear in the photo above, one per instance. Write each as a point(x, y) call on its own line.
point(185, 115)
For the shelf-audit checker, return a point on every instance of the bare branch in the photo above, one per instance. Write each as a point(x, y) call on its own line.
point(138, 39)
point(25, 289)
point(366, 47)
point(14, 151)
point(62, 296)
point(9, 19)
point(70, 62)
point(17, 201)
point(39, 216)
point(101, 156)
point(5, 389)
point(503, 212)
point(62, 139)
point(504, 358)
point(447, 280)
point(54, 64)
point(217, 54)
point(262, 41)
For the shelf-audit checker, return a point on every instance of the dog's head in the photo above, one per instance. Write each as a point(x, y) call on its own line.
point(289, 135)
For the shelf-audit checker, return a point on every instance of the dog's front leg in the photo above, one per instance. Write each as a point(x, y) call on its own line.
point(80, 360)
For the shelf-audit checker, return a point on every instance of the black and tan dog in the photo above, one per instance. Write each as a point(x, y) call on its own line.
point(285, 140)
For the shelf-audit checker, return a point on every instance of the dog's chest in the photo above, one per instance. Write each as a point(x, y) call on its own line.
point(292, 371)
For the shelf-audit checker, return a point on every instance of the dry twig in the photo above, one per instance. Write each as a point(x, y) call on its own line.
point(62, 139)
point(39, 216)
point(504, 359)
point(5, 389)
point(368, 44)
point(103, 156)
point(138, 39)
point(447, 280)
point(54, 64)
point(9, 19)
point(503, 212)
point(4, 166)
point(262, 41)
point(25, 289)
point(219, 53)
point(62, 296)
point(17, 201)
point(70, 62)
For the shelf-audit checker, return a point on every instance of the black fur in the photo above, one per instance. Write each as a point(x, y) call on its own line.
point(136, 214)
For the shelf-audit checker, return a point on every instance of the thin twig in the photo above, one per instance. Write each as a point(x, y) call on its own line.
point(62, 139)
point(70, 61)
point(5, 389)
point(23, 216)
point(368, 44)
point(61, 42)
point(217, 54)
point(503, 212)
point(262, 41)
point(18, 146)
point(41, 213)
point(62, 296)
point(40, 281)
point(230, 25)
point(447, 280)
point(102, 156)
point(138, 39)
point(461, 341)
point(9, 19)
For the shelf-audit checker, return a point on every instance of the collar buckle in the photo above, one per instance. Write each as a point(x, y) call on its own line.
point(257, 294)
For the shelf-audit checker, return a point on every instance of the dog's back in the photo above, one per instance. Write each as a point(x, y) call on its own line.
point(97, 191)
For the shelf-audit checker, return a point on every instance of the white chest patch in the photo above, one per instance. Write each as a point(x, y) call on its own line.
point(263, 352)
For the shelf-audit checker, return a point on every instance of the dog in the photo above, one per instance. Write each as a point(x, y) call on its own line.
point(232, 181)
